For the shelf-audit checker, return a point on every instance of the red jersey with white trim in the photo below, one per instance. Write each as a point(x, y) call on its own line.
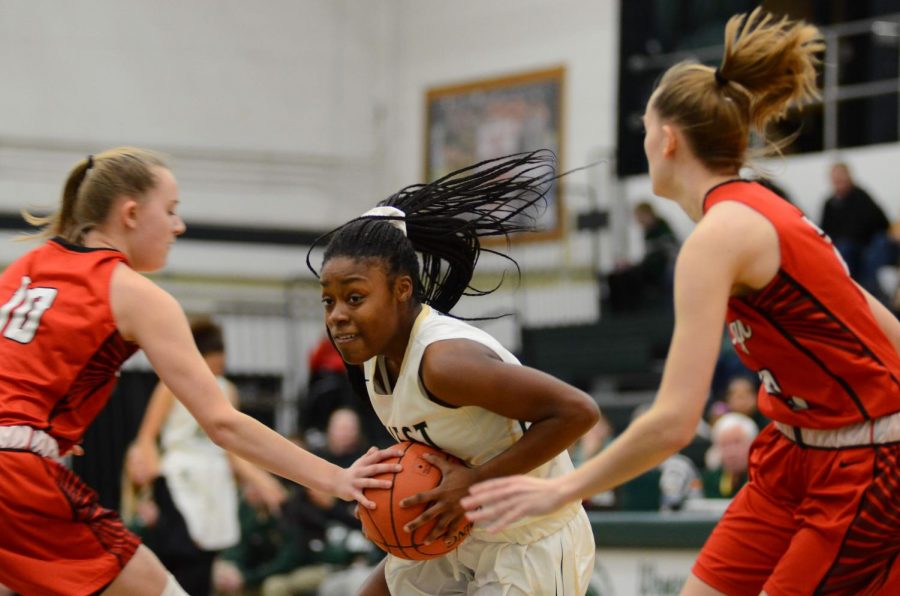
point(60, 351)
point(810, 335)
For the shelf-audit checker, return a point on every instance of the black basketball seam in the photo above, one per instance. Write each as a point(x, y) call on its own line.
point(391, 501)
point(413, 545)
point(383, 542)
point(416, 546)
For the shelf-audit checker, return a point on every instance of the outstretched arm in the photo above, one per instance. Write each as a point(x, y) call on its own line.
point(727, 249)
point(153, 319)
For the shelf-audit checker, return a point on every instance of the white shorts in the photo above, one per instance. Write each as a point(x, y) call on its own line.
point(560, 563)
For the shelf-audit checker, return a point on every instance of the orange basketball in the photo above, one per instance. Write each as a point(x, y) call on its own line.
point(384, 525)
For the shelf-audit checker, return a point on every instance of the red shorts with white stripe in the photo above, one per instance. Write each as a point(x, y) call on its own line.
point(55, 538)
point(810, 521)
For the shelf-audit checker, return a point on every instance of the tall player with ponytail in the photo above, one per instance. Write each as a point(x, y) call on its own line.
point(819, 514)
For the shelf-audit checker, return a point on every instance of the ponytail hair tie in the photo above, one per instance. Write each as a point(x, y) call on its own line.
point(392, 215)
point(720, 79)
point(90, 163)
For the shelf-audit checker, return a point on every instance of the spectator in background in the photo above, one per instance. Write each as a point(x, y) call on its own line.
point(679, 482)
point(329, 390)
point(649, 282)
point(668, 486)
point(732, 435)
point(858, 228)
point(193, 482)
point(740, 397)
point(327, 533)
point(271, 544)
point(343, 437)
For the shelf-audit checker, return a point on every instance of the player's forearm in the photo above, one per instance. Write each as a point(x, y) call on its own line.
point(256, 443)
point(543, 441)
point(645, 444)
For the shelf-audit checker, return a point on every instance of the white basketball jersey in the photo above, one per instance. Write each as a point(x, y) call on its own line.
point(200, 479)
point(471, 433)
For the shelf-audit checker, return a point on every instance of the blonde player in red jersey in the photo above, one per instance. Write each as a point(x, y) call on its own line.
point(819, 514)
point(71, 312)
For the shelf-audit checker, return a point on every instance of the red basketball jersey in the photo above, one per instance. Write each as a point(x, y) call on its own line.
point(60, 351)
point(822, 360)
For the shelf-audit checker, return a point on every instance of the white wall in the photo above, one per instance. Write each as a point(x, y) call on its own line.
point(303, 113)
point(274, 76)
point(440, 43)
point(271, 111)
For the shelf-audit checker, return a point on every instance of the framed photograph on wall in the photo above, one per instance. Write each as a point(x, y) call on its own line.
point(480, 120)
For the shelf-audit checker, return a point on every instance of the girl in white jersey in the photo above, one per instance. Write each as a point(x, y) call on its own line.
point(193, 482)
point(437, 380)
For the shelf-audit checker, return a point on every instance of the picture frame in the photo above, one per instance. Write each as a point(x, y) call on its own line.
point(471, 122)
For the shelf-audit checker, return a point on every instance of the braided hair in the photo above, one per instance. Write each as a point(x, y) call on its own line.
point(445, 221)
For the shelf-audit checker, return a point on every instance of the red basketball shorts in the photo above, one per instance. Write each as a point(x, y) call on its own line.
point(54, 536)
point(810, 521)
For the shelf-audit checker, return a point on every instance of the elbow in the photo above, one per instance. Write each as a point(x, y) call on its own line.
point(222, 429)
point(583, 414)
point(674, 435)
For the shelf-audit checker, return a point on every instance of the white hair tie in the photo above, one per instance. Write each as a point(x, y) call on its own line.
point(388, 212)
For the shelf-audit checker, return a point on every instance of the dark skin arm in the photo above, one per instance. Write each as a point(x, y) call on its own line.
point(376, 584)
point(462, 372)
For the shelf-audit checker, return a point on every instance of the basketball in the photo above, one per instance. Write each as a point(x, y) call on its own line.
point(384, 524)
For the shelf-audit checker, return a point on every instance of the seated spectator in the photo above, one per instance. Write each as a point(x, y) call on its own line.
point(858, 227)
point(649, 282)
point(716, 410)
point(343, 438)
point(329, 533)
point(665, 488)
point(732, 436)
point(679, 481)
point(330, 389)
point(188, 500)
point(270, 544)
point(741, 397)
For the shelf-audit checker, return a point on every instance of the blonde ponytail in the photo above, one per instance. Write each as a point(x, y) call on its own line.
point(769, 66)
point(92, 187)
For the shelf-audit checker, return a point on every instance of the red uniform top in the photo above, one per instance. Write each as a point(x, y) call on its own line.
point(810, 335)
point(60, 351)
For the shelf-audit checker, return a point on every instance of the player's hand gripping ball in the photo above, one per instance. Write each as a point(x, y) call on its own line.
point(384, 525)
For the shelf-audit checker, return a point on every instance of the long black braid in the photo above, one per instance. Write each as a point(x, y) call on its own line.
point(445, 221)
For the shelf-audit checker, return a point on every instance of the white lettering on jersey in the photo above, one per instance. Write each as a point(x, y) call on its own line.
point(418, 433)
point(740, 332)
point(768, 381)
point(21, 315)
point(797, 403)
